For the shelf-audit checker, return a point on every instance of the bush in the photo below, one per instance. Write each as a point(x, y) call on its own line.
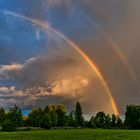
point(8, 126)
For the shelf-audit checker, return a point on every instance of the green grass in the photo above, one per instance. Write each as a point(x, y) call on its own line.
point(84, 134)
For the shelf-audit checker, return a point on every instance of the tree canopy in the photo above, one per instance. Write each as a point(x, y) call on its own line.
point(56, 115)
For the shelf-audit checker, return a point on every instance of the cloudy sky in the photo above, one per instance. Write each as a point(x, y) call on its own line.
point(39, 67)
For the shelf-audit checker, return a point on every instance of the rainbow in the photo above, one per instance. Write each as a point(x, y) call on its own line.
point(114, 46)
point(46, 26)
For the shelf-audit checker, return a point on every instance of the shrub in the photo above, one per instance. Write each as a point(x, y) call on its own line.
point(8, 126)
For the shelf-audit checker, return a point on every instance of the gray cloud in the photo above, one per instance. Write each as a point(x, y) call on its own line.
point(54, 78)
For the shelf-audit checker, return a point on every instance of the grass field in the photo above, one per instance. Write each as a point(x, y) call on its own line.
point(85, 134)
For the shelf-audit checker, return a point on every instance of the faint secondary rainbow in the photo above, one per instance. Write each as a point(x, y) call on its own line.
point(46, 26)
point(118, 52)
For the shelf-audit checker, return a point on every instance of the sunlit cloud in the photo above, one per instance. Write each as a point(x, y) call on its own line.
point(12, 67)
point(69, 87)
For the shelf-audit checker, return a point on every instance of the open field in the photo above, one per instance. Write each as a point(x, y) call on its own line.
point(84, 134)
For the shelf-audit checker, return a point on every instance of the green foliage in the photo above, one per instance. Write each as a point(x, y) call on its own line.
point(70, 120)
point(2, 116)
point(35, 116)
point(61, 112)
point(113, 121)
point(57, 114)
point(61, 118)
point(8, 126)
point(91, 123)
point(15, 116)
point(132, 117)
point(45, 121)
point(119, 123)
point(107, 122)
point(79, 115)
point(54, 118)
point(47, 109)
point(100, 119)
point(55, 108)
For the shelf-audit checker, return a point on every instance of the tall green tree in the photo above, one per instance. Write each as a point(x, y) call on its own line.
point(79, 115)
point(35, 116)
point(91, 123)
point(15, 116)
point(119, 122)
point(2, 115)
point(61, 112)
point(132, 117)
point(45, 121)
point(108, 122)
point(113, 121)
point(70, 119)
point(54, 118)
point(100, 119)
point(47, 109)
point(57, 113)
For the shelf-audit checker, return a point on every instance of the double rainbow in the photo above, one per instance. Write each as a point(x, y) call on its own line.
point(45, 26)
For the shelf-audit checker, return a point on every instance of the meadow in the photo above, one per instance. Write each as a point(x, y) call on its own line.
point(77, 134)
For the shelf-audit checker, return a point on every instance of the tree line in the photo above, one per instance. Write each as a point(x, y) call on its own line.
point(57, 116)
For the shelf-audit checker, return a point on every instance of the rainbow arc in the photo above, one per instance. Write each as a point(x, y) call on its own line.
point(45, 26)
